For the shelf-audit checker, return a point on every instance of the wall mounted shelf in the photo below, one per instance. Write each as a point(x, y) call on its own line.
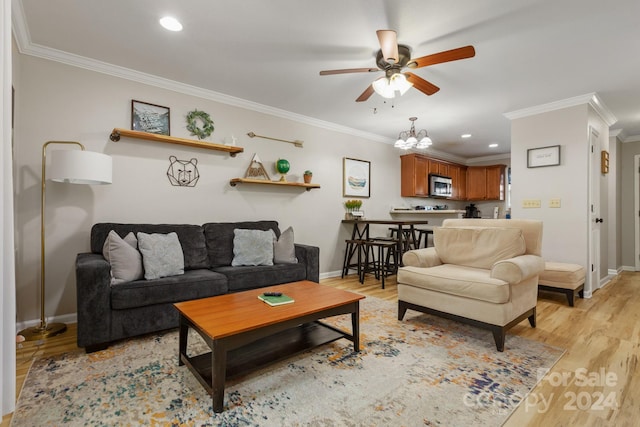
point(308, 187)
point(118, 132)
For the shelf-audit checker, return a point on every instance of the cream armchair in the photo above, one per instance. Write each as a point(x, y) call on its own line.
point(483, 272)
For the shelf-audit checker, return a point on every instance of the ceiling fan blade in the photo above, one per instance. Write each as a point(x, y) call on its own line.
point(421, 84)
point(349, 70)
point(388, 45)
point(366, 94)
point(446, 56)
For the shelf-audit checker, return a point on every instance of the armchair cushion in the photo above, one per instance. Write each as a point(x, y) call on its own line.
point(478, 247)
point(467, 282)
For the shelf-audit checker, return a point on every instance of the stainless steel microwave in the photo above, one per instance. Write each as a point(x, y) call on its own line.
point(440, 186)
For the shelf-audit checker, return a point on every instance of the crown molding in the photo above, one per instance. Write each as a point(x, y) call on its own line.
point(26, 47)
point(504, 156)
point(591, 99)
point(440, 155)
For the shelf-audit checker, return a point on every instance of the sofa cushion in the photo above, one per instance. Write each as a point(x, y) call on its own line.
point(192, 284)
point(250, 277)
point(124, 258)
point(284, 251)
point(468, 282)
point(219, 238)
point(252, 247)
point(161, 255)
point(478, 247)
point(191, 237)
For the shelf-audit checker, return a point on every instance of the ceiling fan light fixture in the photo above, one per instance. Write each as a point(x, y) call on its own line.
point(383, 87)
point(400, 83)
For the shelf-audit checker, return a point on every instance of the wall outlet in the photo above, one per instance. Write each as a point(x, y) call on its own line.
point(554, 203)
point(531, 203)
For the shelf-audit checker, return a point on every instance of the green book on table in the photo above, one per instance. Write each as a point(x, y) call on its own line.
point(273, 301)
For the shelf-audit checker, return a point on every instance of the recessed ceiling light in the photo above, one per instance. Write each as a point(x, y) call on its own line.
point(466, 135)
point(493, 145)
point(171, 24)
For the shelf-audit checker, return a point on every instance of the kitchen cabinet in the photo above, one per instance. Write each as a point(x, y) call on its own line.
point(496, 182)
point(458, 176)
point(468, 182)
point(438, 167)
point(486, 182)
point(414, 171)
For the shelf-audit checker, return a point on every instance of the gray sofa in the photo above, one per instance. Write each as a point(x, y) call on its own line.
point(107, 313)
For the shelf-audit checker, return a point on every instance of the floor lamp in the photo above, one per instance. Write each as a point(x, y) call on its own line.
point(74, 167)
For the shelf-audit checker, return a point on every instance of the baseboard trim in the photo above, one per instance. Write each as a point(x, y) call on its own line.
point(65, 318)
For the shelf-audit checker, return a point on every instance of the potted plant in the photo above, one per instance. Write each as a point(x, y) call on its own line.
point(307, 176)
point(352, 206)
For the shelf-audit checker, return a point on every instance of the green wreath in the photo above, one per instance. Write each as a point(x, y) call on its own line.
point(192, 124)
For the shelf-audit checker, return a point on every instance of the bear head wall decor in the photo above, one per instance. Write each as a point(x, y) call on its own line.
point(183, 173)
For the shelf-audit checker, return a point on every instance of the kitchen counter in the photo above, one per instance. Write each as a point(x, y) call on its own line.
point(430, 212)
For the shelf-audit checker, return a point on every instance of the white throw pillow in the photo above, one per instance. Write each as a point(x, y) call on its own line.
point(123, 255)
point(161, 255)
point(284, 251)
point(252, 247)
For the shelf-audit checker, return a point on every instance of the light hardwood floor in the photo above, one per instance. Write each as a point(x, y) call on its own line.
point(599, 370)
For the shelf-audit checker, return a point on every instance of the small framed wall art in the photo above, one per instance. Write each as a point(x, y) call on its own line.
point(150, 118)
point(543, 156)
point(356, 178)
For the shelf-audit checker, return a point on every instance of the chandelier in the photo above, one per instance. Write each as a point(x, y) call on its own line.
point(411, 139)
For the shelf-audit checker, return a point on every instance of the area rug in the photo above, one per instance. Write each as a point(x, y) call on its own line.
point(421, 371)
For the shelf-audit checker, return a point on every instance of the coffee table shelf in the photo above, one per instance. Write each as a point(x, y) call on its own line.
point(265, 351)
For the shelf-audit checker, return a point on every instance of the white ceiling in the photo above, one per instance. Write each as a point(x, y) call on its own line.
point(528, 53)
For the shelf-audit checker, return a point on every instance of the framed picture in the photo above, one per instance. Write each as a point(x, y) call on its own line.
point(150, 118)
point(543, 156)
point(356, 178)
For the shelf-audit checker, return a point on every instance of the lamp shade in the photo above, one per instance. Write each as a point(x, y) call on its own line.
point(80, 167)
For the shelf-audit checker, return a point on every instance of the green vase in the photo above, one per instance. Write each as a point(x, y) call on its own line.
point(282, 166)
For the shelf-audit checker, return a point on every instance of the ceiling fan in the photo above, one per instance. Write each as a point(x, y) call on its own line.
point(392, 58)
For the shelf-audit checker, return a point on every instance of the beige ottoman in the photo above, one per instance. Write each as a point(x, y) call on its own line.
point(565, 278)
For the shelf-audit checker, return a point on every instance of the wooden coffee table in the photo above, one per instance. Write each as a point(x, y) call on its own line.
point(245, 333)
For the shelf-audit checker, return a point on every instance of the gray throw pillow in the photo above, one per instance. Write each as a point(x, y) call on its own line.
point(161, 255)
point(124, 258)
point(284, 251)
point(252, 247)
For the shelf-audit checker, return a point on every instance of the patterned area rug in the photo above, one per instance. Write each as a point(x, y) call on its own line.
point(421, 371)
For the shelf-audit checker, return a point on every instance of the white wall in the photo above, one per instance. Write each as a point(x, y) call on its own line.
point(614, 206)
point(59, 102)
point(628, 211)
point(566, 229)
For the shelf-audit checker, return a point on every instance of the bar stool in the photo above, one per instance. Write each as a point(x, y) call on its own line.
point(425, 233)
point(378, 254)
point(409, 240)
point(353, 247)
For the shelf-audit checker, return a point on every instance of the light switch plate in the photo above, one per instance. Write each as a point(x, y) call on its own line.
point(531, 203)
point(554, 203)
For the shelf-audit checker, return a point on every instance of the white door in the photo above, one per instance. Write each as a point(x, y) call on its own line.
point(593, 269)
